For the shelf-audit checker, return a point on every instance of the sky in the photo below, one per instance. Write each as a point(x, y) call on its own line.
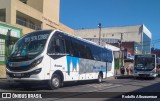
point(79, 14)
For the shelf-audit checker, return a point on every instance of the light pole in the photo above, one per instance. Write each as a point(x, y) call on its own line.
point(8, 41)
point(120, 52)
point(121, 49)
point(99, 26)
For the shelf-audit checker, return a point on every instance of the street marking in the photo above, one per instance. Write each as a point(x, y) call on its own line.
point(98, 89)
point(101, 86)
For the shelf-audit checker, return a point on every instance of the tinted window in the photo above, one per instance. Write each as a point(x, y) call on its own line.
point(57, 44)
point(146, 44)
point(30, 46)
point(96, 51)
point(69, 48)
point(62, 43)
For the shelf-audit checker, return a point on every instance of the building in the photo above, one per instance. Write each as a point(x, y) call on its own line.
point(156, 51)
point(16, 33)
point(130, 39)
point(30, 16)
point(24, 16)
point(138, 36)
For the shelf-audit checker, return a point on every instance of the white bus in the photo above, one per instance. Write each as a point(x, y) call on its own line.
point(57, 57)
point(145, 65)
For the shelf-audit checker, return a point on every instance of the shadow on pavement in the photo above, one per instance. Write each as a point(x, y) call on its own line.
point(36, 86)
point(124, 77)
point(151, 92)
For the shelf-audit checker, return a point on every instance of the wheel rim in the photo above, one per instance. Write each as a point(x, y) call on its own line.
point(55, 82)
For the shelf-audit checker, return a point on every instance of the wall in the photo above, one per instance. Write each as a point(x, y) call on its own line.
point(66, 29)
point(33, 4)
point(51, 13)
point(2, 71)
point(6, 4)
point(130, 33)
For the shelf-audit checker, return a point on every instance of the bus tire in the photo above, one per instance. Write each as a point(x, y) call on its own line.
point(100, 78)
point(55, 82)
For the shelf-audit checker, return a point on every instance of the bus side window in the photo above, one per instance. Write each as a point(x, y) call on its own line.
point(88, 53)
point(69, 47)
point(56, 46)
point(59, 46)
point(51, 48)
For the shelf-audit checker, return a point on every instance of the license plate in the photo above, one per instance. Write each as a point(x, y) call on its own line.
point(17, 74)
point(143, 72)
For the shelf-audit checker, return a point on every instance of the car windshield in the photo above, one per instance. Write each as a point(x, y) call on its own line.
point(30, 46)
point(145, 63)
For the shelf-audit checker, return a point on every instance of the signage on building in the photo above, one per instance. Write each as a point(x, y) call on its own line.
point(48, 20)
point(14, 32)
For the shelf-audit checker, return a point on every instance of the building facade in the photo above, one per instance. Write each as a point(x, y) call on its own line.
point(139, 35)
point(24, 16)
point(156, 51)
point(30, 16)
point(15, 33)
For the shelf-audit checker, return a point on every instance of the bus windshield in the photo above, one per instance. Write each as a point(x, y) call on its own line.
point(145, 63)
point(30, 46)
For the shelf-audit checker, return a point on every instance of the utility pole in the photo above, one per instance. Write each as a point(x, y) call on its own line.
point(8, 41)
point(121, 49)
point(99, 26)
point(120, 55)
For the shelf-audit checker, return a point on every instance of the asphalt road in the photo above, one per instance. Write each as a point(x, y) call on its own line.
point(84, 91)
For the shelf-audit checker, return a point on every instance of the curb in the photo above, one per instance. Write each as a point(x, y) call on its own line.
point(124, 76)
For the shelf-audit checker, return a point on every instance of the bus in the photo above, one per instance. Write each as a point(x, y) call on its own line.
point(145, 66)
point(57, 57)
point(158, 66)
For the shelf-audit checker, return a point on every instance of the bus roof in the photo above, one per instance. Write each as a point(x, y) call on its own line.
point(79, 38)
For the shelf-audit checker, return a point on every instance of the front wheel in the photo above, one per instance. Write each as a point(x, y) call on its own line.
point(55, 82)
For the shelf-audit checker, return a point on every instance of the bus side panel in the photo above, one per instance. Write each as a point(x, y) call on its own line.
point(110, 69)
point(91, 69)
point(83, 69)
point(72, 68)
point(46, 67)
point(58, 64)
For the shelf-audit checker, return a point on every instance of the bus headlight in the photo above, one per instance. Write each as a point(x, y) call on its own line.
point(135, 71)
point(37, 71)
point(153, 71)
point(36, 62)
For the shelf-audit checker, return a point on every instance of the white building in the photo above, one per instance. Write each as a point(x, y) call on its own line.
point(138, 34)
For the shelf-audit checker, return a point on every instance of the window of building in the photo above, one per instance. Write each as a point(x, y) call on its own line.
point(146, 44)
point(27, 21)
point(3, 15)
point(24, 1)
point(2, 51)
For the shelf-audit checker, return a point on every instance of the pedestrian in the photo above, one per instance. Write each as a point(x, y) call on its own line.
point(131, 70)
point(122, 70)
point(127, 70)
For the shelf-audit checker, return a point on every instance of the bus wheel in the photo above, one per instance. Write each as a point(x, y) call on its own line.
point(100, 78)
point(55, 82)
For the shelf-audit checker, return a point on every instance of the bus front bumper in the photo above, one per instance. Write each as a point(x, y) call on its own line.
point(35, 75)
point(145, 75)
